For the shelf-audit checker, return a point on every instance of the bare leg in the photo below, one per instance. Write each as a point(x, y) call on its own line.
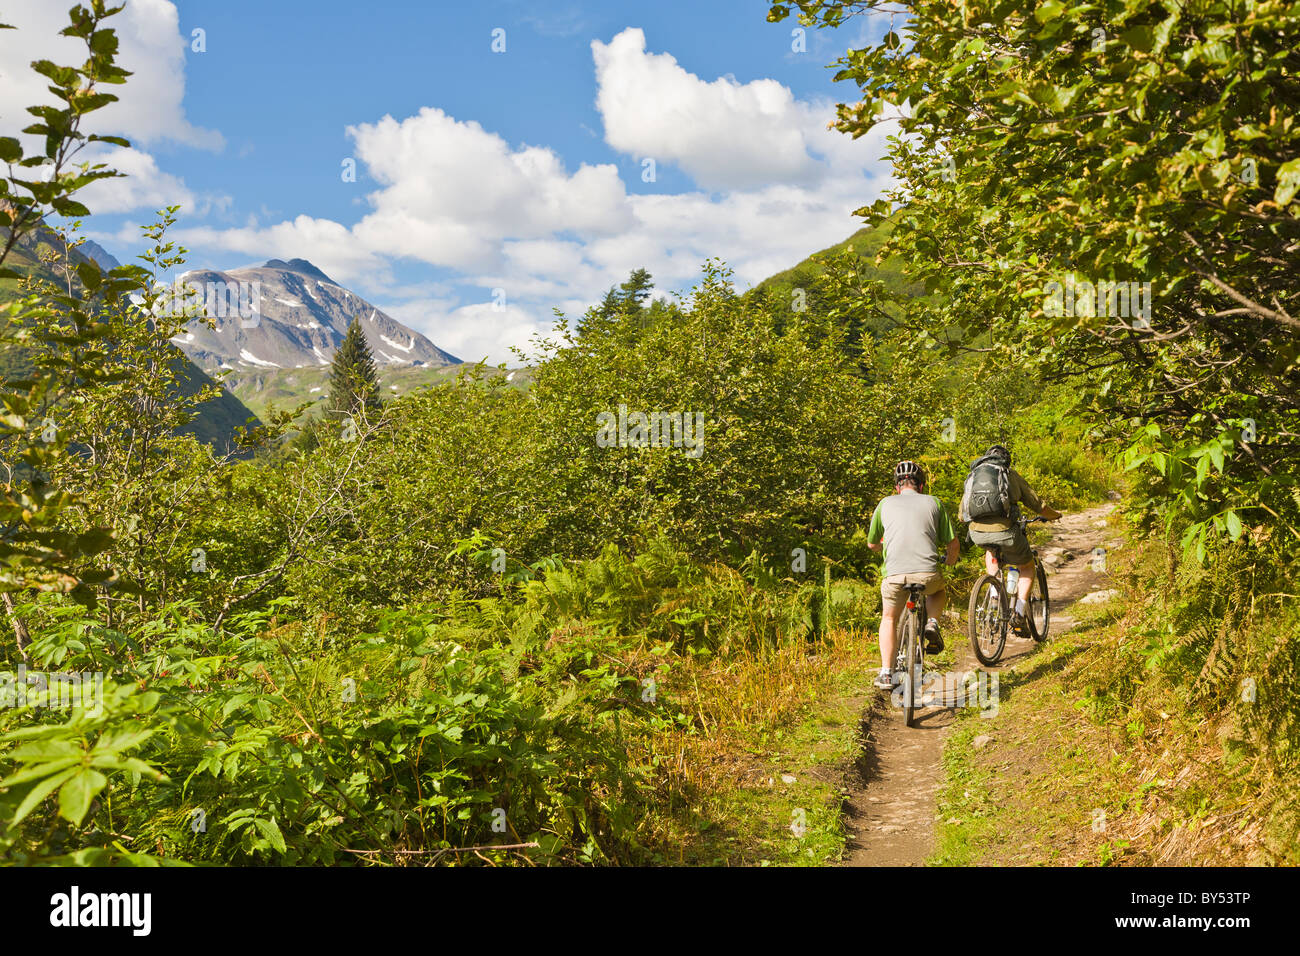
point(990, 565)
point(1026, 582)
point(934, 603)
point(888, 639)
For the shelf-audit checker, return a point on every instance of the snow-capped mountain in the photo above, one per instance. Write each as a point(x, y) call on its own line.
point(291, 315)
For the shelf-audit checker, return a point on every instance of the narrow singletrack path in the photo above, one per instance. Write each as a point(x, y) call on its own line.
point(889, 810)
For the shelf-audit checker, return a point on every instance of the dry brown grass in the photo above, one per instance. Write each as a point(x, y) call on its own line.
point(733, 703)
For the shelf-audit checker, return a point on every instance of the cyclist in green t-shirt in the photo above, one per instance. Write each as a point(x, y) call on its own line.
point(910, 527)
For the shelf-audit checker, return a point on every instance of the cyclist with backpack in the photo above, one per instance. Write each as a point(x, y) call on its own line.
point(910, 527)
point(990, 505)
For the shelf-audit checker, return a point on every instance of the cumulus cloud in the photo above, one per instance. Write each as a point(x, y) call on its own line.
point(476, 331)
point(452, 192)
point(143, 184)
point(775, 184)
point(329, 245)
point(724, 134)
point(149, 107)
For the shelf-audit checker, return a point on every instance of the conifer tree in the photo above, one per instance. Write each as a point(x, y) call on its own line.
point(621, 303)
point(636, 290)
point(354, 380)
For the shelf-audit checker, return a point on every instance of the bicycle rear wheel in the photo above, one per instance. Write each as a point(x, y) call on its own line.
point(909, 653)
point(1040, 613)
point(986, 620)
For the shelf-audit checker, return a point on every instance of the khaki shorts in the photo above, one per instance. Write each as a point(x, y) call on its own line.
point(891, 588)
point(1015, 546)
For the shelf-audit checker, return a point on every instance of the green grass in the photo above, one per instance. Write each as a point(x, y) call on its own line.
point(290, 387)
point(1028, 794)
point(754, 823)
point(1070, 776)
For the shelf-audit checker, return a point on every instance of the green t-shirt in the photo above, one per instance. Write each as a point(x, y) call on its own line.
point(914, 527)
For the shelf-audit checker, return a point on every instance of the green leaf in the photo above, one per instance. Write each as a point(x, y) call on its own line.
point(77, 793)
point(40, 792)
point(90, 276)
point(271, 830)
point(1139, 38)
point(1234, 524)
point(40, 770)
point(69, 207)
point(1288, 182)
point(1049, 11)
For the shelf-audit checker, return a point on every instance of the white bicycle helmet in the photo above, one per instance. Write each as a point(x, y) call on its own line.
point(909, 469)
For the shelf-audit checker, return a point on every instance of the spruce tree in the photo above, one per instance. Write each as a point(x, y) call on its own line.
point(621, 303)
point(354, 381)
point(636, 290)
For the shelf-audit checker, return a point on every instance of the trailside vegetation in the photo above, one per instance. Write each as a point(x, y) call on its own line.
point(1104, 195)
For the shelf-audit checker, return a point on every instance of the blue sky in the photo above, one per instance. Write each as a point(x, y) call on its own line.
point(476, 170)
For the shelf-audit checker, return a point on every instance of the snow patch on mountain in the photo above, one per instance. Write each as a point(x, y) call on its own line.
point(252, 359)
point(296, 297)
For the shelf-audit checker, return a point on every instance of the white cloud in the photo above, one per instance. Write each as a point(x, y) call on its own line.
point(455, 195)
point(149, 107)
point(328, 245)
point(451, 192)
point(144, 185)
point(725, 134)
point(476, 331)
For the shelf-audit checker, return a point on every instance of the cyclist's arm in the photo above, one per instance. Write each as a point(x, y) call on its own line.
point(948, 538)
point(1026, 496)
point(876, 532)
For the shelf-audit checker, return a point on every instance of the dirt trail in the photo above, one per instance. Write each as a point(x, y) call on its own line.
point(889, 811)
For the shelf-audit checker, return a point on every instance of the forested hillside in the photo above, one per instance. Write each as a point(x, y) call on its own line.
point(586, 621)
point(44, 256)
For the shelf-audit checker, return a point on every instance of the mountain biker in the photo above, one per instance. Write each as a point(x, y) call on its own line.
point(994, 492)
point(910, 527)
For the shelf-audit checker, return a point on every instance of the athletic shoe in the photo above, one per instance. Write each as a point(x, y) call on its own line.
point(885, 680)
point(933, 639)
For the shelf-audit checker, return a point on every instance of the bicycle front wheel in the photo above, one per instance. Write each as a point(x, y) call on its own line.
point(987, 620)
point(1040, 614)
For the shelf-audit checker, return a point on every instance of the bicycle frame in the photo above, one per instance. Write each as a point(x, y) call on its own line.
point(994, 617)
point(912, 670)
point(1009, 597)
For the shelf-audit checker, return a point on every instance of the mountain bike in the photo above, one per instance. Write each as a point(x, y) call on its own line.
point(991, 602)
point(910, 659)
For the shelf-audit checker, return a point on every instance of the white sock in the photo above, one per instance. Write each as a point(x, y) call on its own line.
point(934, 621)
point(1020, 607)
